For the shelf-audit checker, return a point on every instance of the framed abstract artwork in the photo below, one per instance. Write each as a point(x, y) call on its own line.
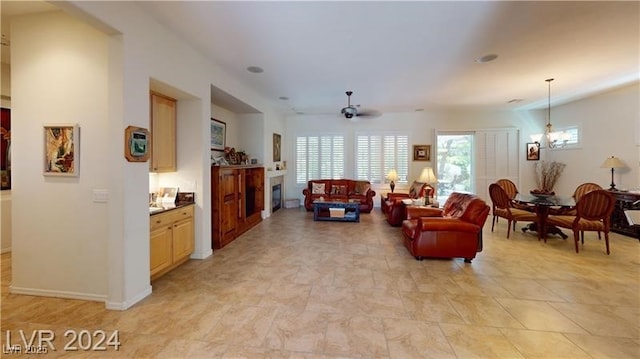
point(218, 134)
point(422, 152)
point(61, 150)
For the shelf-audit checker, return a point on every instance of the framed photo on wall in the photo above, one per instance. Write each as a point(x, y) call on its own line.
point(61, 150)
point(533, 151)
point(422, 152)
point(218, 134)
point(136, 144)
point(277, 142)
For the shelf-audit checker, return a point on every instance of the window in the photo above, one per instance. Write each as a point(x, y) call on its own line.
point(574, 136)
point(319, 157)
point(376, 155)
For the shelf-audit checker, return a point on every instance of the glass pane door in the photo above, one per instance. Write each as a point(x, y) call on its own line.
point(454, 156)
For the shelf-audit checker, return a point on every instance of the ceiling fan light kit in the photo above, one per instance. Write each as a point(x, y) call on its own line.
point(351, 111)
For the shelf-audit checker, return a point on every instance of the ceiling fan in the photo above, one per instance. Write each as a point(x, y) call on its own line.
point(351, 111)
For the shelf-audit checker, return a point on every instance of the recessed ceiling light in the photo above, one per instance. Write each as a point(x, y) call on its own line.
point(255, 69)
point(283, 98)
point(486, 58)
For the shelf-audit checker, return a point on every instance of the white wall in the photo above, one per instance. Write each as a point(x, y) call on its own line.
point(105, 247)
point(59, 238)
point(609, 122)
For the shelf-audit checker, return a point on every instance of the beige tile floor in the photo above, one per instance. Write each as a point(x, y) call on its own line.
point(294, 288)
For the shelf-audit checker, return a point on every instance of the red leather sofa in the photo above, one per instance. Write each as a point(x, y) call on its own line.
point(453, 231)
point(341, 190)
point(395, 209)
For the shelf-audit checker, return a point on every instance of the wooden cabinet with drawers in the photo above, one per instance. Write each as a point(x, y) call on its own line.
point(619, 223)
point(171, 239)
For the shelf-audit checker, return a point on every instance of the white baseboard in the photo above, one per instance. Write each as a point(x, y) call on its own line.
point(129, 303)
point(57, 294)
point(206, 254)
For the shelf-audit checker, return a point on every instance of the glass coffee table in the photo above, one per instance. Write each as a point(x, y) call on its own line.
point(338, 211)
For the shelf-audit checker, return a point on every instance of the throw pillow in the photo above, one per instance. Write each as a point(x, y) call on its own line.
point(339, 190)
point(317, 188)
point(362, 187)
point(415, 189)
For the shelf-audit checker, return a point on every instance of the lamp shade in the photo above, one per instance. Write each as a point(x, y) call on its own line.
point(613, 162)
point(392, 175)
point(427, 176)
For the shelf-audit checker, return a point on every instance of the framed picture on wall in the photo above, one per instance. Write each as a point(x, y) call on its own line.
point(61, 150)
point(5, 149)
point(277, 142)
point(218, 134)
point(422, 152)
point(136, 144)
point(533, 151)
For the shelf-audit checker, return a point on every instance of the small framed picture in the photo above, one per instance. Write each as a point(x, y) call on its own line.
point(136, 144)
point(218, 134)
point(533, 151)
point(422, 152)
point(277, 142)
point(61, 150)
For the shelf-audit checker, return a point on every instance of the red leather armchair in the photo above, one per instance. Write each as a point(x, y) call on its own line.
point(454, 231)
point(393, 207)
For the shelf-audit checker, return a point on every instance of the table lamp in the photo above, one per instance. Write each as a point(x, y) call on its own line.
point(427, 176)
point(612, 162)
point(392, 176)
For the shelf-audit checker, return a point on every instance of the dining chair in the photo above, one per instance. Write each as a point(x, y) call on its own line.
point(512, 191)
point(580, 191)
point(503, 207)
point(593, 213)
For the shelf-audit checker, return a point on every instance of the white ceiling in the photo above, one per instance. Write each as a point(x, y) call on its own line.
point(403, 56)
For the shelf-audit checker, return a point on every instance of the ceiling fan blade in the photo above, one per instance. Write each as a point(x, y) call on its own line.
point(368, 113)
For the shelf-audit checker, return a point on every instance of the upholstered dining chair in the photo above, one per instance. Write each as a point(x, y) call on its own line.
point(503, 207)
point(593, 213)
point(512, 191)
point(580, 191)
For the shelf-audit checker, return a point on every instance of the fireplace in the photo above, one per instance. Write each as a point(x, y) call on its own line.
point(276, 197)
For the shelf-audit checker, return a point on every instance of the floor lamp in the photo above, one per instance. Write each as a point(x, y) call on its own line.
point(612, 162)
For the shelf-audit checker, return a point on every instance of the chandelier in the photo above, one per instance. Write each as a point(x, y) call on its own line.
point(557, 139)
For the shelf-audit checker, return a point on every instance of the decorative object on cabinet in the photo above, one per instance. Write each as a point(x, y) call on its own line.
point(422, 152)
point(61, 150)
point(136, 144)
point(237, 200)
point(533, 151)
point(171, 239)
point(612, 162)
point(218, 134)
point(277, 142)
point(5, 148)
point(163, 133)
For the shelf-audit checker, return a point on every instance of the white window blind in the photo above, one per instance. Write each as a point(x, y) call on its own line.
point(319, 157)
point(377, 154)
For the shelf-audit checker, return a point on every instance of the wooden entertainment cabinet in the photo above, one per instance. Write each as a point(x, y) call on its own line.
point(237, 201)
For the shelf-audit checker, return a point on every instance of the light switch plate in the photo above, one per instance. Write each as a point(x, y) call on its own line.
point(100, 195)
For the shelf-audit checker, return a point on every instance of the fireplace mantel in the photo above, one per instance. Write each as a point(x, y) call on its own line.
point(276, 173)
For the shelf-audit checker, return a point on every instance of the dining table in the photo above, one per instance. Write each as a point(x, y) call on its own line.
point(542, 204)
